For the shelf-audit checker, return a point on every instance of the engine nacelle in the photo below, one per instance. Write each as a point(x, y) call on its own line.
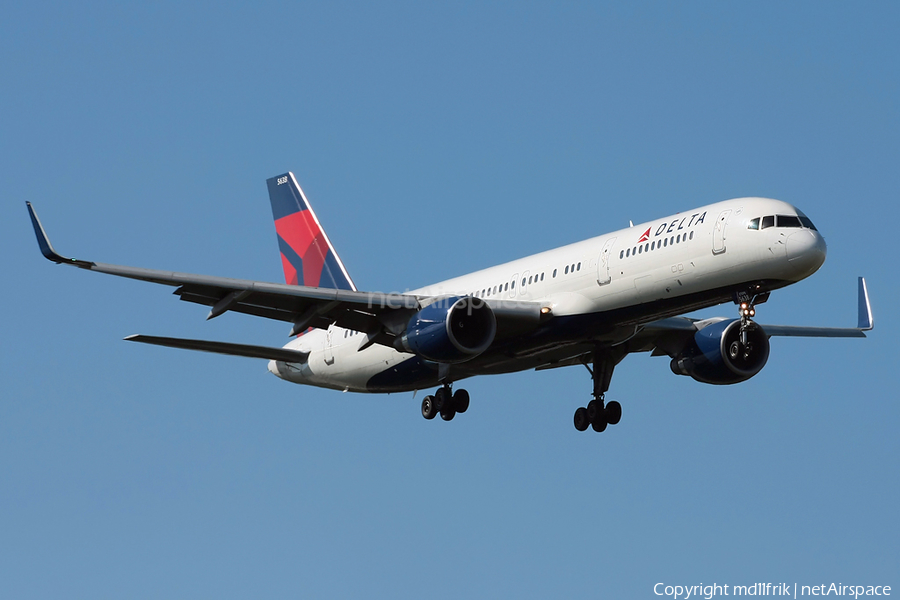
point(451, 330)
point(715, 354)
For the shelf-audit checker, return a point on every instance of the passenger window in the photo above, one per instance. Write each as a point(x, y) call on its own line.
point(672, 240)
point(628, 253)
point(567, 270)
point(692, 235)
point(554, 272)
point(513, 285)
point(678, 239)
point(768, 221)
point(754, 223)
point(665, 243)
point(621, 254)
point(653, 245)
point(640, 249)
point(788, 221)
point(506, 288)
point(529, 281)
point(579, 266)
point(542, 276)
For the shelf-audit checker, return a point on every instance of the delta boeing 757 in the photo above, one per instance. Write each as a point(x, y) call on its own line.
point(590, 303)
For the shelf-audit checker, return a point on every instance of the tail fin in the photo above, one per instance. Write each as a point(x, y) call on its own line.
point(307, 255)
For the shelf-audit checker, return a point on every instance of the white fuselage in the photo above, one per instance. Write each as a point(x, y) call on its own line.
point(680, 256)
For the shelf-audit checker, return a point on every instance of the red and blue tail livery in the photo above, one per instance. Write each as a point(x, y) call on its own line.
point(307, 255)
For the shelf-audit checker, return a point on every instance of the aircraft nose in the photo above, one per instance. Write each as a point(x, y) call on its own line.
point(806, 251)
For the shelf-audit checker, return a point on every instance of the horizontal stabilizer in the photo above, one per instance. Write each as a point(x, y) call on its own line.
point(249, 351)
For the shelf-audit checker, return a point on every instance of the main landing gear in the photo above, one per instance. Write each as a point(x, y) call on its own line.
point(445, 402)
point(598, 413)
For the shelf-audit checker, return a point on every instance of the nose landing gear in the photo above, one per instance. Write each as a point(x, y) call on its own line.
point(743, 348)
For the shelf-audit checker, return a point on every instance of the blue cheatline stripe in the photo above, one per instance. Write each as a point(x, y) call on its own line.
point(285, 198)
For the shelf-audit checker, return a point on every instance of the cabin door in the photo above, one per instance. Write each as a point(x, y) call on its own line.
point(329, 346)
point(603, 274)
point(719, 232)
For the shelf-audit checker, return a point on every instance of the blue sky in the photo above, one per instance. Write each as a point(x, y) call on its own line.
point(434, 140)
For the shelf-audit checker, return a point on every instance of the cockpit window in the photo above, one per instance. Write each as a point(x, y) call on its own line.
point(768, 221)
point(754, 223)
point(788, 221)
point(807, 223)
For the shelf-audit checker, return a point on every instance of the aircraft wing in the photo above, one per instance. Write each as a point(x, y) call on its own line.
point(370, 312)
point(865, 321)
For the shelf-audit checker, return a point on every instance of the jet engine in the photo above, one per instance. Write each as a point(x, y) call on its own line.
point(717, 353)
point(450, 330)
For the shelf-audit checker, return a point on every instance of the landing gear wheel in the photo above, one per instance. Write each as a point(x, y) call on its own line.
point(442, 398)
point(734, 350)
point(429, 408)
point(599, 424)
point(594, 410)
point(613, 412)
point(448, 412)
point(461, 401)
point(581, 419)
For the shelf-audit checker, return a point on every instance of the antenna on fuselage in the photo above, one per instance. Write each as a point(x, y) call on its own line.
point(630, 223)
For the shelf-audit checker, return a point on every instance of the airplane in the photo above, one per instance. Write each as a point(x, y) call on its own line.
point(590, 303)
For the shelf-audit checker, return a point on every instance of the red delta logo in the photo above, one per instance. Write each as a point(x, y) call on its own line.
point(645, 236)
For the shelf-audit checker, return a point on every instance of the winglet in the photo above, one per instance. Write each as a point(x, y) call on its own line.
point(866, 321)
point(47, 248)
